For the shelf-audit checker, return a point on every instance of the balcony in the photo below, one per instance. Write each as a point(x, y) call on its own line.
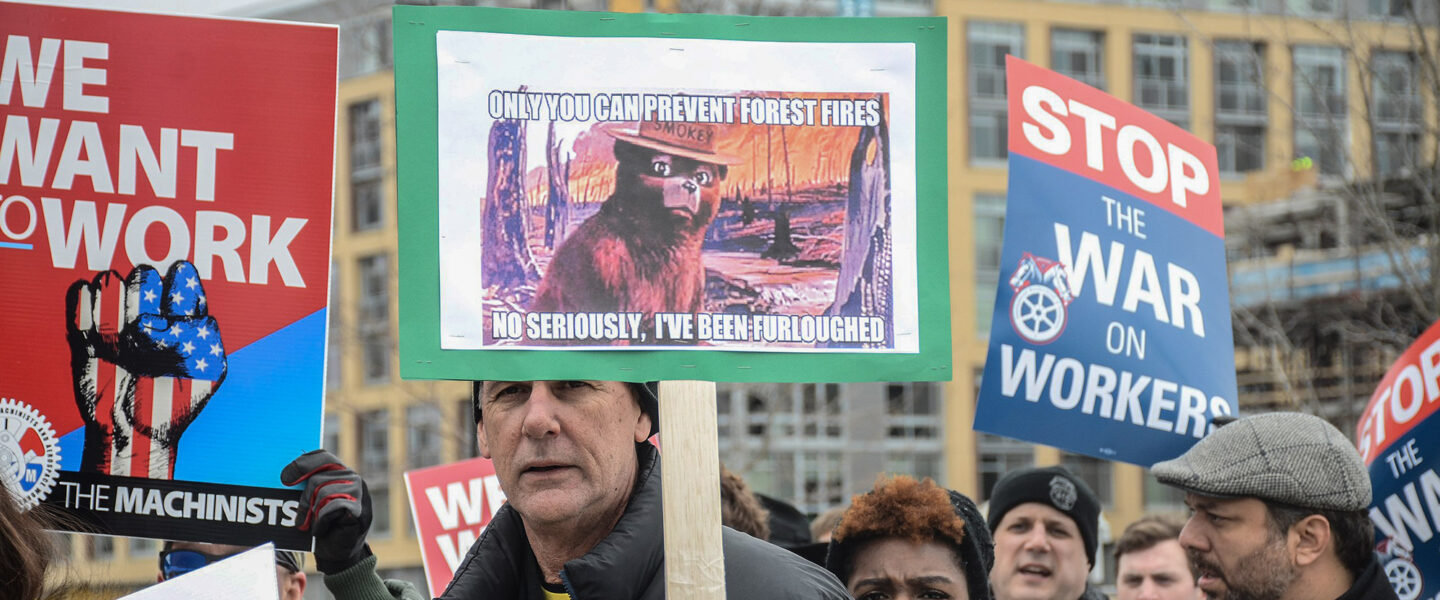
point(1157, 93)
point(1314, 274)
point(1397, 110)
point(987, 82)
point(1245, 101)
point(1328, 104)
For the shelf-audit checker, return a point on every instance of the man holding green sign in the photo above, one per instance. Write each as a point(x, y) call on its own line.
point(583, 516)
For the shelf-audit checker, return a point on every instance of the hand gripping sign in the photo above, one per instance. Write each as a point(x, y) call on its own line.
point(146, 357)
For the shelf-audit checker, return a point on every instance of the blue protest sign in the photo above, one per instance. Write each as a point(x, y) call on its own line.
point(1111, 335)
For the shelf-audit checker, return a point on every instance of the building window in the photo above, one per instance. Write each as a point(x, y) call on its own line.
point(468, 445)
point(1079, 54)
point(1395, 95)
point(723, 402)
point(375, 465)
point(423, 435)
point(823, 481)
point(774, 474)
point(1396, 118)
point(1391, 8)
point(330, 440)
point(1321, 131)
point(1095, 472)
point(1235, 5)
point(366, 197)
point(63, 543)
point(144, 548)
point(1396, 151)
point(989, 230)
point(366, 45)
point(374, 317)
point(1240, 106)
point(917, 465)
point(821, 410)
point(1239, 80)
point(1312, 8)
point(1162, 498)
point(913, 410)
point(102, 547)
point(1319, 81)
point(334, 372)
point(998, 456)
point(989, 43)
point(368, 204)
point(1239, 148)
point(1162, 77)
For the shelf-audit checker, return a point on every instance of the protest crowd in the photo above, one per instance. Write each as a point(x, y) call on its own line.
point(1277, 506)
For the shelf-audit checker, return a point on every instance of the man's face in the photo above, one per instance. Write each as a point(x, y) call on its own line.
point(1039, 555)
point(1160, 572)
point(564, 450)
point(1233, 548)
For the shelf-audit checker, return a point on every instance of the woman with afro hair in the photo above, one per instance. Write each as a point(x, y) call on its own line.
point(912, 539)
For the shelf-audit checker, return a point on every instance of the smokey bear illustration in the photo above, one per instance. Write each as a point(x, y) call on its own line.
point(640, 253)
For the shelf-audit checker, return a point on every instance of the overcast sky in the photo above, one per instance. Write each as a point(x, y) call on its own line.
point(192, 7)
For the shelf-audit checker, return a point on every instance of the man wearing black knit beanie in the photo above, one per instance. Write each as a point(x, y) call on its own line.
point(1044, 521)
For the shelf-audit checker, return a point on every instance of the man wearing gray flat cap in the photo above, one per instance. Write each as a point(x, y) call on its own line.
point(1278, 512)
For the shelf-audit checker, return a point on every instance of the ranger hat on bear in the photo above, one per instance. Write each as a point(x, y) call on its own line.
point(698, 141)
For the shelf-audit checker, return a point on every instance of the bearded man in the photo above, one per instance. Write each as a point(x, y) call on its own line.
point(1278, 505)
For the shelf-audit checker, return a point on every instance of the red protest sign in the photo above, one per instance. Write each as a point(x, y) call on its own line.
point(1086, 131)
point(452, 504)
point(1405, 398)
point(165, 203)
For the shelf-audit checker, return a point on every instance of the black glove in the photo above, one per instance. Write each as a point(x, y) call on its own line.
point(336, 505)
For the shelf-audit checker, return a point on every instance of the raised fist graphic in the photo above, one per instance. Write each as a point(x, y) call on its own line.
point(146, 357)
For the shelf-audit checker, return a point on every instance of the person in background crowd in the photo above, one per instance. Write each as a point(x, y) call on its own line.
point(912, 539)
point(824, 523)
point(1044, 521)
point(1278, 505)
point(1151, 565)
point(582, 517)
point(739, 508)
point(179, 558)
point(819, 530)
point(25, 548)
point(789, 528)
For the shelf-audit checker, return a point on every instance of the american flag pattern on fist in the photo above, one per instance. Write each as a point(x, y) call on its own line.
point(146, 357)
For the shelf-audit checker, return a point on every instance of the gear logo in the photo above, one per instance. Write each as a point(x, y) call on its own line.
point(29, 452)
point(1038, 310)
point(1063, 493)
point(1400, 569)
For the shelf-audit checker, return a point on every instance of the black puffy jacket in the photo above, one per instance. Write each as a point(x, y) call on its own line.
point(629, 564)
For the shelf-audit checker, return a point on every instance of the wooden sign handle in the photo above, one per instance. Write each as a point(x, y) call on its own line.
point(690, 461)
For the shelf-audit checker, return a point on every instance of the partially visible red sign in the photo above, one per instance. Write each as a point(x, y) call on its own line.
point(1405, 397)
point(452, 504)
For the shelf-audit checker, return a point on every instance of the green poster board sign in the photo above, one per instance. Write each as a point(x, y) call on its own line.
point(643, 197)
